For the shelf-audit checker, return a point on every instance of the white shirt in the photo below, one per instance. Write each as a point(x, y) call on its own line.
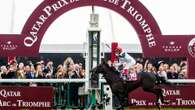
point(126, 60)
point(162, 74)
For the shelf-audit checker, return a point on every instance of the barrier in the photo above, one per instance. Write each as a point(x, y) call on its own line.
point(43, 80)
point(62, 87)
point(63, 90)
point(182, 80)
point(26, 97)
point(180, 96)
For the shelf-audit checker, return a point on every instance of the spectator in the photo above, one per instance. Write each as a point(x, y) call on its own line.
point(82, 71)
point(176, 67)
point(154, 70)
point(61, 88)
point(29, 72)
point(11, 72)
point(161, 72)
point(166, 67)
point(59, 75)
point(49, 70)
point(172, 73)
point(38, 71)
point(183, 74)
point(78, 70)
point(69, 61)
point(148, 67)
point(14, 65)
point(60, 72)
point(3, 71)
point(70, 71)
point(20, 74)
point(138, 67)
point(42, 63)
point(21, 66)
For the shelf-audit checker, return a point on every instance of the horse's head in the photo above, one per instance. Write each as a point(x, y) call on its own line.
point(99, 69)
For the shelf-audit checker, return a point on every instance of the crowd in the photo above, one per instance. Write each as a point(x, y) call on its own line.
point(169, 71)
point(42, 69)
point(69, 69)
point(160, 68)
point(47, 70)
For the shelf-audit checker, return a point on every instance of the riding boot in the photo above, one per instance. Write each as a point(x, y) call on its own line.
point(166, 102)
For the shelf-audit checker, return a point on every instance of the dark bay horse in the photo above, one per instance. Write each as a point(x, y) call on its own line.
point(120, 89)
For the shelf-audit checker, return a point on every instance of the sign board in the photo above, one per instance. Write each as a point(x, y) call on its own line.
point(179, 97)
point(26, 97)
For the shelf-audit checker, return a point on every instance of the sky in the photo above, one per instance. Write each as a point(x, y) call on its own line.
point(173, 16)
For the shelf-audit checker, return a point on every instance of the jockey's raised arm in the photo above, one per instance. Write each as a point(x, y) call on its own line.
point(124, 58)
point(130, 61)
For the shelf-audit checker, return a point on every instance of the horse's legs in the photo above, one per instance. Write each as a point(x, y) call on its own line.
point(121, 97)
point(119, 90)
point(157, 93)
point(160, 91)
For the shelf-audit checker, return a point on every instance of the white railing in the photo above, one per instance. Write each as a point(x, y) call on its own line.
point(43, 80)
point(75, 80)
point(182, 80)
point(171, 80)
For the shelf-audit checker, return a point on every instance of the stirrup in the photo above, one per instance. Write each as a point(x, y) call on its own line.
point(166, 102)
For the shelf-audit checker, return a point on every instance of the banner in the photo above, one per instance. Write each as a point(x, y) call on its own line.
point(179, 97)
point(26, 98)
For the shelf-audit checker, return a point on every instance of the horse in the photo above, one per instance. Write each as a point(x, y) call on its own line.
point(120, 89)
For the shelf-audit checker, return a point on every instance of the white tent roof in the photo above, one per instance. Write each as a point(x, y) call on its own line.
point(173, 17)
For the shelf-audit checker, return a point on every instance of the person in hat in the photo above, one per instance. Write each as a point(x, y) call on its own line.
point(161, 75)
point(125, 61)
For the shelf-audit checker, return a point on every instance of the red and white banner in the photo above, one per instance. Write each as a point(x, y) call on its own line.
point(26, 97)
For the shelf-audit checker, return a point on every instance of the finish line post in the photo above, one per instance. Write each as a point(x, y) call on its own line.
point(93, 54)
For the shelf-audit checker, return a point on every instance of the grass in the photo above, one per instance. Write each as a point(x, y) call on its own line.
point(142, 109)
point(161, 109)
point(148, 109)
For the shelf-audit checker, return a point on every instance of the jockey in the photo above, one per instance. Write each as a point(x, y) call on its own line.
point(125, 61)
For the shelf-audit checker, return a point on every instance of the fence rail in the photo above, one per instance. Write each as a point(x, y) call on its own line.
point(75, 80)
point(182, 80)
point(64, 95)
point(43, 80)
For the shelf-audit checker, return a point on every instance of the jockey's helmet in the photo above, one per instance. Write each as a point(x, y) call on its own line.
point(118, 50)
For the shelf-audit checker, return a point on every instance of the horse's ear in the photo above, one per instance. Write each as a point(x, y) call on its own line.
point(104, 61)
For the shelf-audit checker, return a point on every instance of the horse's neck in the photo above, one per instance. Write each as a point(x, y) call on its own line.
point(111, 77)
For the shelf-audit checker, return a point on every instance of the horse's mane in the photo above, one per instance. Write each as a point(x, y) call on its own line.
point(106, 64)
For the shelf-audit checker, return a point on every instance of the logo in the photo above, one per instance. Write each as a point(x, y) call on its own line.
point(191, 47)
point(8, 46)
point(171, 46)
point(171, 92)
